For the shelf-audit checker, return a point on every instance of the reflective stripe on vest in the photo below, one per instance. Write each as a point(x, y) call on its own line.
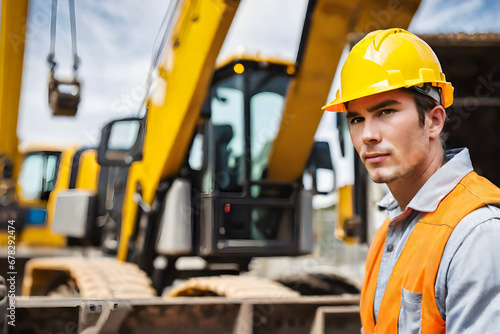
point(417, 266)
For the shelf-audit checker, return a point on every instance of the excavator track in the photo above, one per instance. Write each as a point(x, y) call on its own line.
point(238, 287)
point(99, 278)
point(321, 284)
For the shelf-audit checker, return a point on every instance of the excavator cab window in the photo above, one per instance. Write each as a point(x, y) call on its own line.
point(228, 133)
point(246, 111)
point(38, 175)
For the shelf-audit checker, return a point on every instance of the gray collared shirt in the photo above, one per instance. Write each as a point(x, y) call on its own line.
point(468, 280)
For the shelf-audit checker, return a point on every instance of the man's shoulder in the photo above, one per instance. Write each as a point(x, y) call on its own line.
point(488, 214)
point(480, 187)
point(485, 213)
point(477, 198)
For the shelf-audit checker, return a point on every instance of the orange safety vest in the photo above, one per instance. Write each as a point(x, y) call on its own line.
point(417, 266)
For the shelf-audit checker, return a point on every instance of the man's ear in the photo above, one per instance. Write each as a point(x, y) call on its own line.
point(436, 118)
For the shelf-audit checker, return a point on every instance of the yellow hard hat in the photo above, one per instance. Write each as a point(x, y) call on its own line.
point(385, 60)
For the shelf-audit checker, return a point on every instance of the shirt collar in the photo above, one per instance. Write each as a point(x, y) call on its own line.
point(458, 164)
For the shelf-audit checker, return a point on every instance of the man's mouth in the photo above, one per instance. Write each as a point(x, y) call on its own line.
point(374, 158)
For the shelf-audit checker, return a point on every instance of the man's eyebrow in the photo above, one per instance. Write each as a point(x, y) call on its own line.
point(383, 104)
point(352, 114)
point(378, 106)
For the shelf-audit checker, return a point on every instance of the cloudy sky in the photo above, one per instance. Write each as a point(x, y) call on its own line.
point(116, 38)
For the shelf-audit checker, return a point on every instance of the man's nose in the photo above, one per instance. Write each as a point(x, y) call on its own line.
point(371, 132)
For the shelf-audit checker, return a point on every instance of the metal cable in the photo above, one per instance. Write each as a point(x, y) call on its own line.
point(72, 22)
point(53, 28)
point(50, 57)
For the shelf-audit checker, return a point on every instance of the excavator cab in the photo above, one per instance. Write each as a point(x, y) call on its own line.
point(244, 212)
point(35, 183)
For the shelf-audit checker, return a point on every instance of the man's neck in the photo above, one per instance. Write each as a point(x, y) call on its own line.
point(405, 188)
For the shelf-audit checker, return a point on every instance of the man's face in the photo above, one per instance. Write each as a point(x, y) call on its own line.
point(388, 136)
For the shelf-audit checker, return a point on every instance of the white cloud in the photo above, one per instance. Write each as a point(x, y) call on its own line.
point(471, 16)
point(267, 27)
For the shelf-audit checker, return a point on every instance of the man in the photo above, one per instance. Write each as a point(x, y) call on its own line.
point(433, 265)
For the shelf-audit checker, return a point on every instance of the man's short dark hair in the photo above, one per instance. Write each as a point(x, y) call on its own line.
point(424, 103)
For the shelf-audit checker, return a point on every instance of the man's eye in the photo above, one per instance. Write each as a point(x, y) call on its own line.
point(386, 111)
point(355, 120)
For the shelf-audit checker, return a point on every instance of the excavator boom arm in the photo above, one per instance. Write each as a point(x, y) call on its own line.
point(12, 41)
point(185, 77)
